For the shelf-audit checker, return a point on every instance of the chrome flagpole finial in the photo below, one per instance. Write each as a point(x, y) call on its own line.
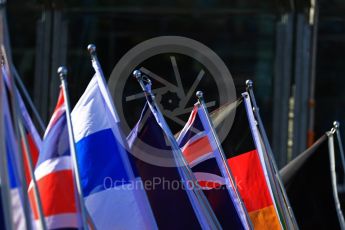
point(137, 74)
point(62, 72)
point(92, 49)
point(199, 94)
point(249, 83)
point(334, 128)
point(144, 81)
point(336, 125)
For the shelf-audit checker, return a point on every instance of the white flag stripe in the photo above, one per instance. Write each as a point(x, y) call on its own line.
point(203, 158)
point(61, 221)
point(83, 117)
point(52, 165)
point(18, 215)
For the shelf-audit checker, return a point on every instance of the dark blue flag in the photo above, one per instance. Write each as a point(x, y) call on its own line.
point(168, 197)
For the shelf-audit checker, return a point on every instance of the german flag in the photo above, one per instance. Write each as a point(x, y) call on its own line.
point(249, 171)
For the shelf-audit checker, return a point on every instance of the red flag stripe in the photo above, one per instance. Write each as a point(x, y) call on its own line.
point(34, 156)
point(59, 110)
point(250, 180)
point(51, 166)
point(192, 116)
point(197, 149)
point(55, 190)
point(209, 185)
point(209, 180)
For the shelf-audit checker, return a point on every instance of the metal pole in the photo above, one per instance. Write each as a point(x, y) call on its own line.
point(100, 77)
point(28, 155)
point(187, 174)
point(15, 112)
point(266, 166)
point(5, 188)
point(107, 97)
point(92, 51)
point(5, 57)
point(21, 136)
point(200, 96)
point(29, 100)
point(340, 215)
point(62, 72)
point(336, 126)
point(267, 157)
point(19, 128)
point(269, 152)
point(143, 200)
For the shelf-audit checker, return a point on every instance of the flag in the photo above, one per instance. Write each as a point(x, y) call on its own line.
point(113, 197)
point(54, 175)
point(200, 149)
point(308, 184)
point(246, 162)
point(32, 135)
point(19, 221)
point(13, 167)
point(169, 200)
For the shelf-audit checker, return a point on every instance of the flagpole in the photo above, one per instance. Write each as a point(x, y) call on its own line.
point(200, 96)
point(109, 101)
point(336, 126)
point(28, 155)
point(107, 97)
point(20, 131)
point(29, 100)
point(269, 154)
point(330, 135)
point(18, 126)
point(207, 211)
point(100, 78)
point(15, 108)
point(272, 168)
point(62, 72)
point(104, 90)
point(14, 104)
point(5, 188)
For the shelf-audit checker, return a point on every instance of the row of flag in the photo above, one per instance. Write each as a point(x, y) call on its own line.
point(59, 180)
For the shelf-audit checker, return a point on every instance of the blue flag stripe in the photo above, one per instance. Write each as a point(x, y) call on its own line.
point(100, 160)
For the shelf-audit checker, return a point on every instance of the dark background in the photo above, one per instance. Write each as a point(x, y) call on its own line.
point(270, 42)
